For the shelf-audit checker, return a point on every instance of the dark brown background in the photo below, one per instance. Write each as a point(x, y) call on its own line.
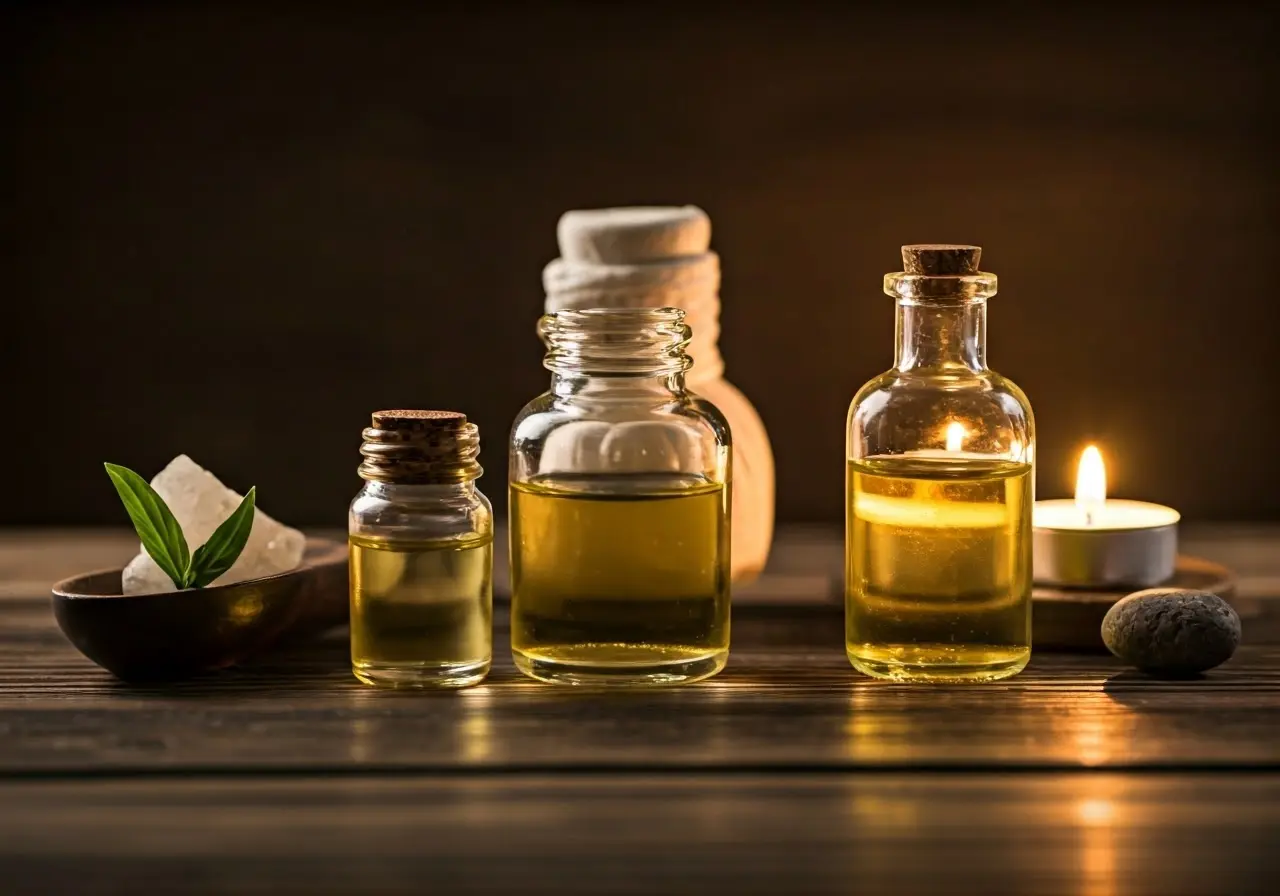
point(239, 229)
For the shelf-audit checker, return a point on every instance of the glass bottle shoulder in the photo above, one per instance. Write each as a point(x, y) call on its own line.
point(459, 512)
point(552, 409)
point(625, 431)
point(979, 412)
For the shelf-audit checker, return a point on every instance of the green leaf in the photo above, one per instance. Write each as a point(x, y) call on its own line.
point(160, 533)
point(217, 555)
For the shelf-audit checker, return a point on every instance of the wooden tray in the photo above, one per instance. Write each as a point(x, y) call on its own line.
point(1071, 619)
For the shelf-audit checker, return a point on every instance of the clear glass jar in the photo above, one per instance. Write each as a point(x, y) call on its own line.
point(421, 537)
point(939, 490)
point(620, 497)
point(660, 256)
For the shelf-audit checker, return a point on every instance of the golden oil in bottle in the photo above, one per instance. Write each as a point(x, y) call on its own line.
point(938, 584)
point(619, 578)
point(421, 542)
point(421, 610)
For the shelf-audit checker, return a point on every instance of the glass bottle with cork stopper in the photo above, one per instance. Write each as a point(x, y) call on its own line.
point(939, 490)
point(421, 537)
point(620, 508)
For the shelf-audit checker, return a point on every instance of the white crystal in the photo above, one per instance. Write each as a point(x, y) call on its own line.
point(201, 503)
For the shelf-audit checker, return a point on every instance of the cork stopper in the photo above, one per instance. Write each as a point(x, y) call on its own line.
point(411, 447)
point(941, 259)
point(940, 273)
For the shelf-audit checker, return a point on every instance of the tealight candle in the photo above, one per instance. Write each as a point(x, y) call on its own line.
point(1093, 541)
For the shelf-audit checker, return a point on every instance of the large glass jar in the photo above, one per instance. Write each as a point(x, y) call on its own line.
point(939, 489)
point(656, 257)
point(619, 508)
point(421, 537)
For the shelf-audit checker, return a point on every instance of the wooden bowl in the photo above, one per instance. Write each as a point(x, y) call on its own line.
point(173, 635)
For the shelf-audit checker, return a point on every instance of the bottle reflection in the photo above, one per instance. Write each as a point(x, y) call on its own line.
point(872, 732)
point(391, 730)
point(474, 733)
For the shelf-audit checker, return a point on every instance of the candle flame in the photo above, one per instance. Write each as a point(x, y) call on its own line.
point(955, 435)
point(1091, 482)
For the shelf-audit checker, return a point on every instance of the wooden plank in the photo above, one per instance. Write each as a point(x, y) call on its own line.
point(749, 833)
point(788, 699)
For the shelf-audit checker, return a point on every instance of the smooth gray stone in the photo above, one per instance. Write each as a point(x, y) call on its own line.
point(1171, 632)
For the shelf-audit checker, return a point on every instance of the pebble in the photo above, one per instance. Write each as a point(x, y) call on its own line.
point(1171, 632)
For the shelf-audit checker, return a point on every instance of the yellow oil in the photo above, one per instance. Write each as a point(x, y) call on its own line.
point(421, 611)
point(938, 568)
point(620, 579)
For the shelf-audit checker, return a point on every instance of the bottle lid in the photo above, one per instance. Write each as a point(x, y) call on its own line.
point(420, 448)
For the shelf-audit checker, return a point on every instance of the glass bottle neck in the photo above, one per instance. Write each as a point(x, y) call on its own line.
point(422, 493)
point(941, 335)
point(616, 345)
point(579, 384)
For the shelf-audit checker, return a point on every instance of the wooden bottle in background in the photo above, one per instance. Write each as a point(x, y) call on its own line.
point(655, 257)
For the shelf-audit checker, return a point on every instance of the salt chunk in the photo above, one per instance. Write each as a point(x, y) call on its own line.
point(201, 503)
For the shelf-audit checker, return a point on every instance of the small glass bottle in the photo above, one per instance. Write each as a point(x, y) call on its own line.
point(421, 537)
point(620, 525)
point(939, 490)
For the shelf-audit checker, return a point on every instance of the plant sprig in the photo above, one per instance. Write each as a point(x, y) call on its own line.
point(162, 537)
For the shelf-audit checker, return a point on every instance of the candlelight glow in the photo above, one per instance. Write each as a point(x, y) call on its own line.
point(1096, 811)
point(1091, 481)
point(955, 435)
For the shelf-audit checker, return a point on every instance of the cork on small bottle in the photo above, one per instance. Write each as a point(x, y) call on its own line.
point(420, 447)
point(940, 272)
point(941, 259)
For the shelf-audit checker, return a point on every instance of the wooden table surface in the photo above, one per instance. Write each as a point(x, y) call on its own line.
point(788, 773)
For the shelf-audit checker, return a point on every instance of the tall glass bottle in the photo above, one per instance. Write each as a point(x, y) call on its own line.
point(939, 489)
point(620, 491)
point(421, 537)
